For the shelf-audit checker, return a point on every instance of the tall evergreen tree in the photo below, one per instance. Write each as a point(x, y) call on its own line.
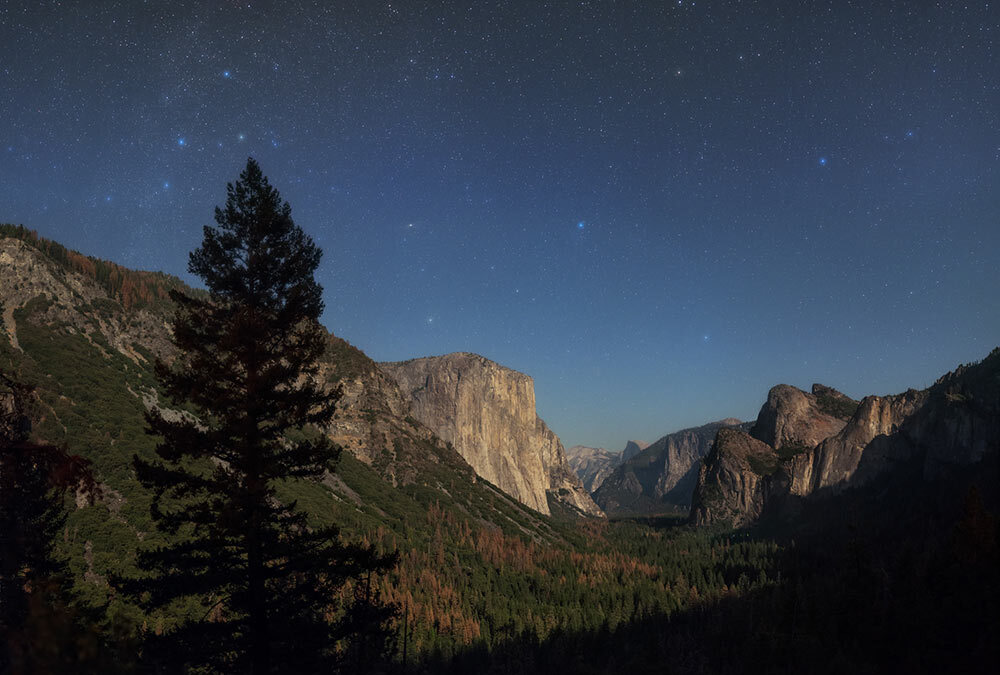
point(246, 366)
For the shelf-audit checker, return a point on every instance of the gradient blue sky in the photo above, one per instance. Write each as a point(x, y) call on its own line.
point(658, 210)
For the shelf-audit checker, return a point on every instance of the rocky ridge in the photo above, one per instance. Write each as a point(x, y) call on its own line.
point(59, 317)
point(487, 412)
point(593, 465)
point(371, 419)
point(661, 476)
point(955, 422)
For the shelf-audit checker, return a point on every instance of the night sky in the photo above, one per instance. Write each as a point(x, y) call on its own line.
point(657, 209)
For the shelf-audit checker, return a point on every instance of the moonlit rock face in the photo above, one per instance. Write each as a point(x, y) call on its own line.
point(792, 417)
point(659, 477)
point(592, 465)
point(954, 423)
point(487, 412)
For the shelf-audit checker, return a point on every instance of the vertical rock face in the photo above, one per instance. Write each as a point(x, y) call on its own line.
point(660, 477)
point(591, 465)
point(837, 460)
point(372, 419)
point(487, 412)
point(734, 480)
point(797, 419)
point(745, 472)
point(633, 448)
point(956, 422)
point(594, 465)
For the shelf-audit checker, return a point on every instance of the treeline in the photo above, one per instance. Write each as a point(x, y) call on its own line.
point(130, 288)
point(883, 580)
point(470, 586)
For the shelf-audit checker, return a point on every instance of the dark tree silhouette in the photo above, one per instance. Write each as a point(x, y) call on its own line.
point(36, 625)
point(246, 367)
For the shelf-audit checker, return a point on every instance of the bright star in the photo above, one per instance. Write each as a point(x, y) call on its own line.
point(226, 74)
point(822, 161)
point(166, 185)
point(181, 142)
point(242, 137)
point(580, 225)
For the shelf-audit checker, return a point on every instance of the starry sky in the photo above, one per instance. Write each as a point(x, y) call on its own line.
point(657, 209)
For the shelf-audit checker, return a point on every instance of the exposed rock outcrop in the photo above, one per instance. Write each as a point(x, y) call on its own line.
point(53, 294)
point(956, 422)
point(59, 292)
point(799, 420)
point(633, 448)
point(594, 465)
point(591, 465)
point(734, 480)
point(660, 477)
point(373, 419)
point(837, 459)
point(487, 412)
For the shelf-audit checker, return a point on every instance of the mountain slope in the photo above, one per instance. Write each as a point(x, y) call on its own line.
point(476, 564)
point(954, 423)
point(90, 358)
point(594, 465)
point(660, 477)
point(488, 413)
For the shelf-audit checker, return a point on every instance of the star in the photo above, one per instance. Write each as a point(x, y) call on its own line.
point(182, 141)
point(227, 74)
point(822, 161)
point(580, 225)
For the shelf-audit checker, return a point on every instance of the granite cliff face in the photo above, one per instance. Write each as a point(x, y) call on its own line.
point(594, 465)
point(836, 461)
point(734, 480)
point(487, 412)
point(660, 477)
point(591, 465)
point(53, 300)
point(796, 419)
point(956, 422)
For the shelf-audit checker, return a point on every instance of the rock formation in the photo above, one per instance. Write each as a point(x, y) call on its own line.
point(734, 480)
point(660, 477)
point(51, 290)
point(593, 465)
point(487, 412)
point(794, 419)
point(836, 460)
point(956, 422)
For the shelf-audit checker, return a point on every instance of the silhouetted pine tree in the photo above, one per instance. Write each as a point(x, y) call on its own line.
point(247, 362)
